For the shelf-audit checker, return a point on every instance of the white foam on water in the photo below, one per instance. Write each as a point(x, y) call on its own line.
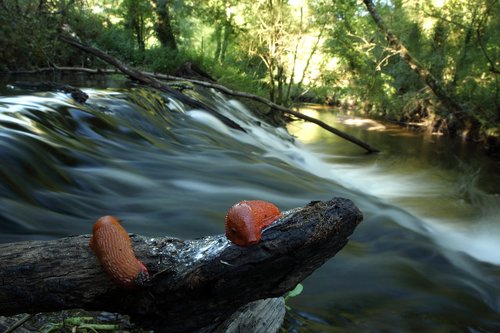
point(476, 238)
point(209, 120)
point(481, 244)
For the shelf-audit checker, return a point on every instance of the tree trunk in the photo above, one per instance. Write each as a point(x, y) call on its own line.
point(228, 30)
point(309, 58)
point(194, 283)
point(280, 77)
point(272, 85)
point(419, 69)
point(218, 42)
point(139, 33)
point(163, 26)
point(461, 63)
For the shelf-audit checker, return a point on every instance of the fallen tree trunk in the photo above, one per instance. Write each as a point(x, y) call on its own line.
point(151, 79)
point(196, 283)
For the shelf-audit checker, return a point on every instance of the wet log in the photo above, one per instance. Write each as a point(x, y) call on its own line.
point(195, 283)
point(77, 94)
point(262, 316)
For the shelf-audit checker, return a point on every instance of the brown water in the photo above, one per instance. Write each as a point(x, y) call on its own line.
point(425, 259)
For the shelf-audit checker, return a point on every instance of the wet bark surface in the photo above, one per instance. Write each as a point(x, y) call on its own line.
point(195, 283)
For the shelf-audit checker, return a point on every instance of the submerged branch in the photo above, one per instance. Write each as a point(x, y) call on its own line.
point(152, 80)
point(195, 284)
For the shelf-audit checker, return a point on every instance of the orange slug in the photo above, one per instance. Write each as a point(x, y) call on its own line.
point(244, 221)
point(111, 244)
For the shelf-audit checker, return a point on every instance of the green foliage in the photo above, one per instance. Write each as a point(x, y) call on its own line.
point(29, 33)
point(281, 49)
point(138, 17)
point(296, 291)
point(233, 76)
point(457, 43)
point(21, 23)
point(117, 42)
point(164, 60)
point(78, 325)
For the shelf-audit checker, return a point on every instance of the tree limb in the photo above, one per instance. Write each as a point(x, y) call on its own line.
point(275, 106)
point(196, 283)
point(69, 69)
point(149, 80)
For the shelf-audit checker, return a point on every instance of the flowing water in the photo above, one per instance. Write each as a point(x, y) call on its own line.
point(426, 258)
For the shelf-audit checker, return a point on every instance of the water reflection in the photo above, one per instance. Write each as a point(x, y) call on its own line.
point(445, 194)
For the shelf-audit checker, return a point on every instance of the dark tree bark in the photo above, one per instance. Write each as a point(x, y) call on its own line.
point(218, 41)
point(228, 31)
point(424, 75)
point(195, 283)
point(163, 26)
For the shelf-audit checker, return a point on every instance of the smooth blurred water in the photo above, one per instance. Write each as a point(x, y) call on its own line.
point(426, 258)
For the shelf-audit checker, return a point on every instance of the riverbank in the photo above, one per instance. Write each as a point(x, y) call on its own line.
point(423, 118)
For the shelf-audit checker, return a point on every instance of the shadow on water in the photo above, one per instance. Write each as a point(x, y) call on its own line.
point(426, 257)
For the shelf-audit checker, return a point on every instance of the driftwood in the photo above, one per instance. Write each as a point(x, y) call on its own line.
point(190, 70)
point(274, 106)
point(196, 283)
point(151, 79)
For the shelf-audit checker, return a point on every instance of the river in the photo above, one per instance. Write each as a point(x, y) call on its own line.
point(426, 258)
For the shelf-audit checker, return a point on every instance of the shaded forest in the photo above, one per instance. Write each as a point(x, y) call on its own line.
point(431, 63)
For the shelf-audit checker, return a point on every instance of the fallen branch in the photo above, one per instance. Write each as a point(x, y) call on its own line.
point(67, 69)
point(195, 284)
point(273, 106)
point(151, 79)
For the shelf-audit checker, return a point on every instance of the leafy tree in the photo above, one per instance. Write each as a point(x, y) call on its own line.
point(163, 25)
point(137, 17)
point(29, 31)
point(220, 15)
point(275, 32)
point(451, 50)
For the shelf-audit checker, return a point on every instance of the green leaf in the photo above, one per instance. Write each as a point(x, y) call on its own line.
point(296, 291)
